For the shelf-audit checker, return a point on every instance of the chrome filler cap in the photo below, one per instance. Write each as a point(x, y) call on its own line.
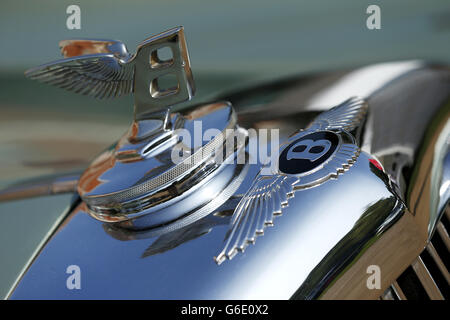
point(167, 175)
point(168, 169)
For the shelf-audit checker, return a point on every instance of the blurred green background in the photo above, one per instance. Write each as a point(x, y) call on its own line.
point(232, 44)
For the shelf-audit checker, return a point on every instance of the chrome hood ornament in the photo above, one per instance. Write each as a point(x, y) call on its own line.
point(308, 159)
point(105, 69)
point(137, 183)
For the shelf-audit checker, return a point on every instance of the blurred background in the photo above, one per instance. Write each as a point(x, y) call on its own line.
point(232, 44)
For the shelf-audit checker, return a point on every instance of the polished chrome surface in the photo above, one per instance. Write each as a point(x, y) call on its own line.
point(440, 184)
point(322, 245)
point(167, 266)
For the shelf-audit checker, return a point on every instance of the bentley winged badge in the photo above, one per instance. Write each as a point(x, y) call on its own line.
point(309, 158)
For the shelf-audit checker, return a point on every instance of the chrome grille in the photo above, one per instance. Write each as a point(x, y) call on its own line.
point(427, 278)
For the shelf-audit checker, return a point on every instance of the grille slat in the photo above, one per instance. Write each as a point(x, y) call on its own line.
point(443, 234)
point(389, 294)
point(428, 276)
point(440, 264)
point(426, 280)
point(398, 291)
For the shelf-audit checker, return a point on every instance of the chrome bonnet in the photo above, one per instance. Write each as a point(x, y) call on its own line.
point(370, 192)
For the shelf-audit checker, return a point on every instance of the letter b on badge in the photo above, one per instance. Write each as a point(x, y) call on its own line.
point(308, 152)
point(312, 151)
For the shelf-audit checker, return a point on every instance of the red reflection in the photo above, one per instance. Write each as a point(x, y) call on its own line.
point(376, 164)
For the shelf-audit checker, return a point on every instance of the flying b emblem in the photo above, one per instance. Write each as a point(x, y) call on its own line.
point(308, 159)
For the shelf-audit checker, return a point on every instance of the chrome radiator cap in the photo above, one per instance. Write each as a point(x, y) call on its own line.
point(149, 182)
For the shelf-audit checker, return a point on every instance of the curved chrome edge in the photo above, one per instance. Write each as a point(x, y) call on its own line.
point(440, 178)
point(372, 225)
